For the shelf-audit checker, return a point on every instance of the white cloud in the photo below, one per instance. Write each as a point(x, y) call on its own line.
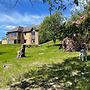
point(10, 26)
point(17, 18)
point(4, 29)
point(7, 26)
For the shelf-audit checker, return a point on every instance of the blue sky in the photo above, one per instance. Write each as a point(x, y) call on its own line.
point(24, 14)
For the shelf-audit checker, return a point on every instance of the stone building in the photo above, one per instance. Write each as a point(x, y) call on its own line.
point(4, 41)
point(23, 35)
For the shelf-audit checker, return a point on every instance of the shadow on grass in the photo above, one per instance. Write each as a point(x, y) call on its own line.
point(72, 74)
point(2, 53)
point(88, 58)
point(56, 45)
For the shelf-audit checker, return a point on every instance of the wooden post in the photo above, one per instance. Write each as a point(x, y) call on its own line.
point(23, 50)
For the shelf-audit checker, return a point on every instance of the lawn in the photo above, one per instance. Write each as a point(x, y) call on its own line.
point(12, 68)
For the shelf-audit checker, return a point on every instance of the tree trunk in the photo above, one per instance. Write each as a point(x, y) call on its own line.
point(23, 50)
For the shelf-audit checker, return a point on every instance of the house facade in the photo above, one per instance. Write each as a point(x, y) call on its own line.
point(23, 35)
point(4, 41)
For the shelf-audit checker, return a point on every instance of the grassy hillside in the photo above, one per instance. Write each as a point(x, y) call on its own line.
point(12, 68)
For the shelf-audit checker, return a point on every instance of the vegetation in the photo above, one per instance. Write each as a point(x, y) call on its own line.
point(43, 63)
point(48, 66)
point(12, 68)
point(72, 74)
point(77, 28)
point(50, 28)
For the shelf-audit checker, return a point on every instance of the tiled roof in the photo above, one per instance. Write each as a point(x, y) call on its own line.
point(17, 29)
point(23, 29)
point(30, 28)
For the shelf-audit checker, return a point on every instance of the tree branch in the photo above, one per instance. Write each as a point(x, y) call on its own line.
point(31, 2)
point(16, 3)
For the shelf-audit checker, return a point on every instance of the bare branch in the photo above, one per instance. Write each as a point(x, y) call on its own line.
point(16, 3)
point(31, 2)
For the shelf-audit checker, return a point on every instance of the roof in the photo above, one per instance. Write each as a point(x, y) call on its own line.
point(30, 28)
point(24, 29)
point(17, 29)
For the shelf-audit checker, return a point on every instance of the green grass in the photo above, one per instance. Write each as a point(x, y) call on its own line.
point(35, 57)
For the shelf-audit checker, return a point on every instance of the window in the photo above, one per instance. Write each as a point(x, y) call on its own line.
point(33, 40)
point(33, 32)
point(18, 41)
point(15, 41)
point(25, 33)
point(13, 34)
point(25, 41)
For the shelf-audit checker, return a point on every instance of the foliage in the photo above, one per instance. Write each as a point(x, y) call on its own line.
point(60, 4)
point(85, 29)
point(68, 75)
point(50, 27)
point(78, 25)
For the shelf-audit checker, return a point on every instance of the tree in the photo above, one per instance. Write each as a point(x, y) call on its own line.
point(77, 28)
point(50, 27)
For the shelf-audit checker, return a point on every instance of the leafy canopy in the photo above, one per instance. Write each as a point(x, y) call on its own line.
point(50, 27)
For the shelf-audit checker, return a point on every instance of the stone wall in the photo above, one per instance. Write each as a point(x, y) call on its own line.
point(36, 37)
point(4, 42)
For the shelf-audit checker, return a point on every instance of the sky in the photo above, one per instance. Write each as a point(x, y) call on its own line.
point(23, 13)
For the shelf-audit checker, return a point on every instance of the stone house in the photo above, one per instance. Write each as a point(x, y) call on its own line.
point(4, 41)
point(23, 35)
